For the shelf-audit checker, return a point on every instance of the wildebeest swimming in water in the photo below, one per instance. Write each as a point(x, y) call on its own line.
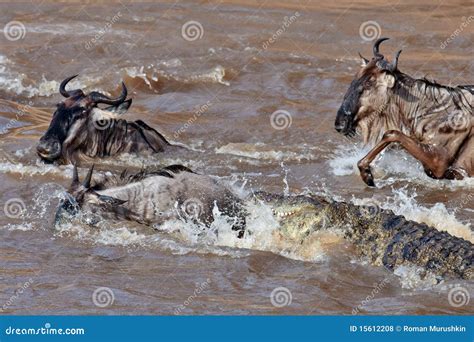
point(153, 197)
point(176, 192)
point(432, 122)
point(80, 130)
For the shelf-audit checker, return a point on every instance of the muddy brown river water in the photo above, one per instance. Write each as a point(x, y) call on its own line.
point(209, 75)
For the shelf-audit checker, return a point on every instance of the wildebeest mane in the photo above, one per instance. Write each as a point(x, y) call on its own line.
point(431, 89)
point(111, 136)
point(128, 177)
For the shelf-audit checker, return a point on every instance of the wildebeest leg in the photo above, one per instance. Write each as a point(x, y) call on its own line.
point(433, 159)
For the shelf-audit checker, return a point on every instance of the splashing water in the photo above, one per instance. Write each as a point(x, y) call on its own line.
point(392, 166)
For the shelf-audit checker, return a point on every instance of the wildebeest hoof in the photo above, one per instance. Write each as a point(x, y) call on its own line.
point(367, 176)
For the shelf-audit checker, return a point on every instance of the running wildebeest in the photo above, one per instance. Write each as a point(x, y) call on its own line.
point(432, 122)
point(80, 130)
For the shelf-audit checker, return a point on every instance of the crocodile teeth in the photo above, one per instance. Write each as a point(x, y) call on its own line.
point(283, 214)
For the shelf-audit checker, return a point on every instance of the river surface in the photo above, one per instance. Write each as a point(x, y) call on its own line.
point(209, 75)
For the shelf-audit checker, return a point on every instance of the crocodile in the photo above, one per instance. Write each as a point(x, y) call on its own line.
point(379, 235)
point(176, 192)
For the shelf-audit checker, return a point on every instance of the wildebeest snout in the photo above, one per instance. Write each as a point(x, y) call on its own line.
point(341, 121)
point(49, 148)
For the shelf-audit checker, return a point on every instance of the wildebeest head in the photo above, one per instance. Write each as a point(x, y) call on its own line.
point(72, 114)
point(368, 91)
point(82, 197)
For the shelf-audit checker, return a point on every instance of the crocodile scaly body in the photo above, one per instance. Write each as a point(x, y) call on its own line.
point(380, 235)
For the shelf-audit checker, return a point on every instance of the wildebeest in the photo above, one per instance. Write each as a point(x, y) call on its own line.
point(433, 122)
point(80, 130)
point(153, 197)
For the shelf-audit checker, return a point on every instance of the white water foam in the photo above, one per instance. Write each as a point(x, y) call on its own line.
point(413, 277)
point(18, 83)
point(392, 166)
point(154, 73)
point(265, 152)
point(437, 216)
point(37, 169)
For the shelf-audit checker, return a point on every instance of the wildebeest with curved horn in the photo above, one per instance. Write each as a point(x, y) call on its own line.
point(432, 122)
point(81, 130)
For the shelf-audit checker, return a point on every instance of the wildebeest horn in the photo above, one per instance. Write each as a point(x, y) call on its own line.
point(62, 87)
point(87, 181)
point(363, 58)
point(97, 97)
point(377, 54)
point(394, 64)
point(75, 176)
point(386, 65)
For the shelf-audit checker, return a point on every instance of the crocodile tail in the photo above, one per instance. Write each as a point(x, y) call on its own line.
point(433, 250)
point(391, 240)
